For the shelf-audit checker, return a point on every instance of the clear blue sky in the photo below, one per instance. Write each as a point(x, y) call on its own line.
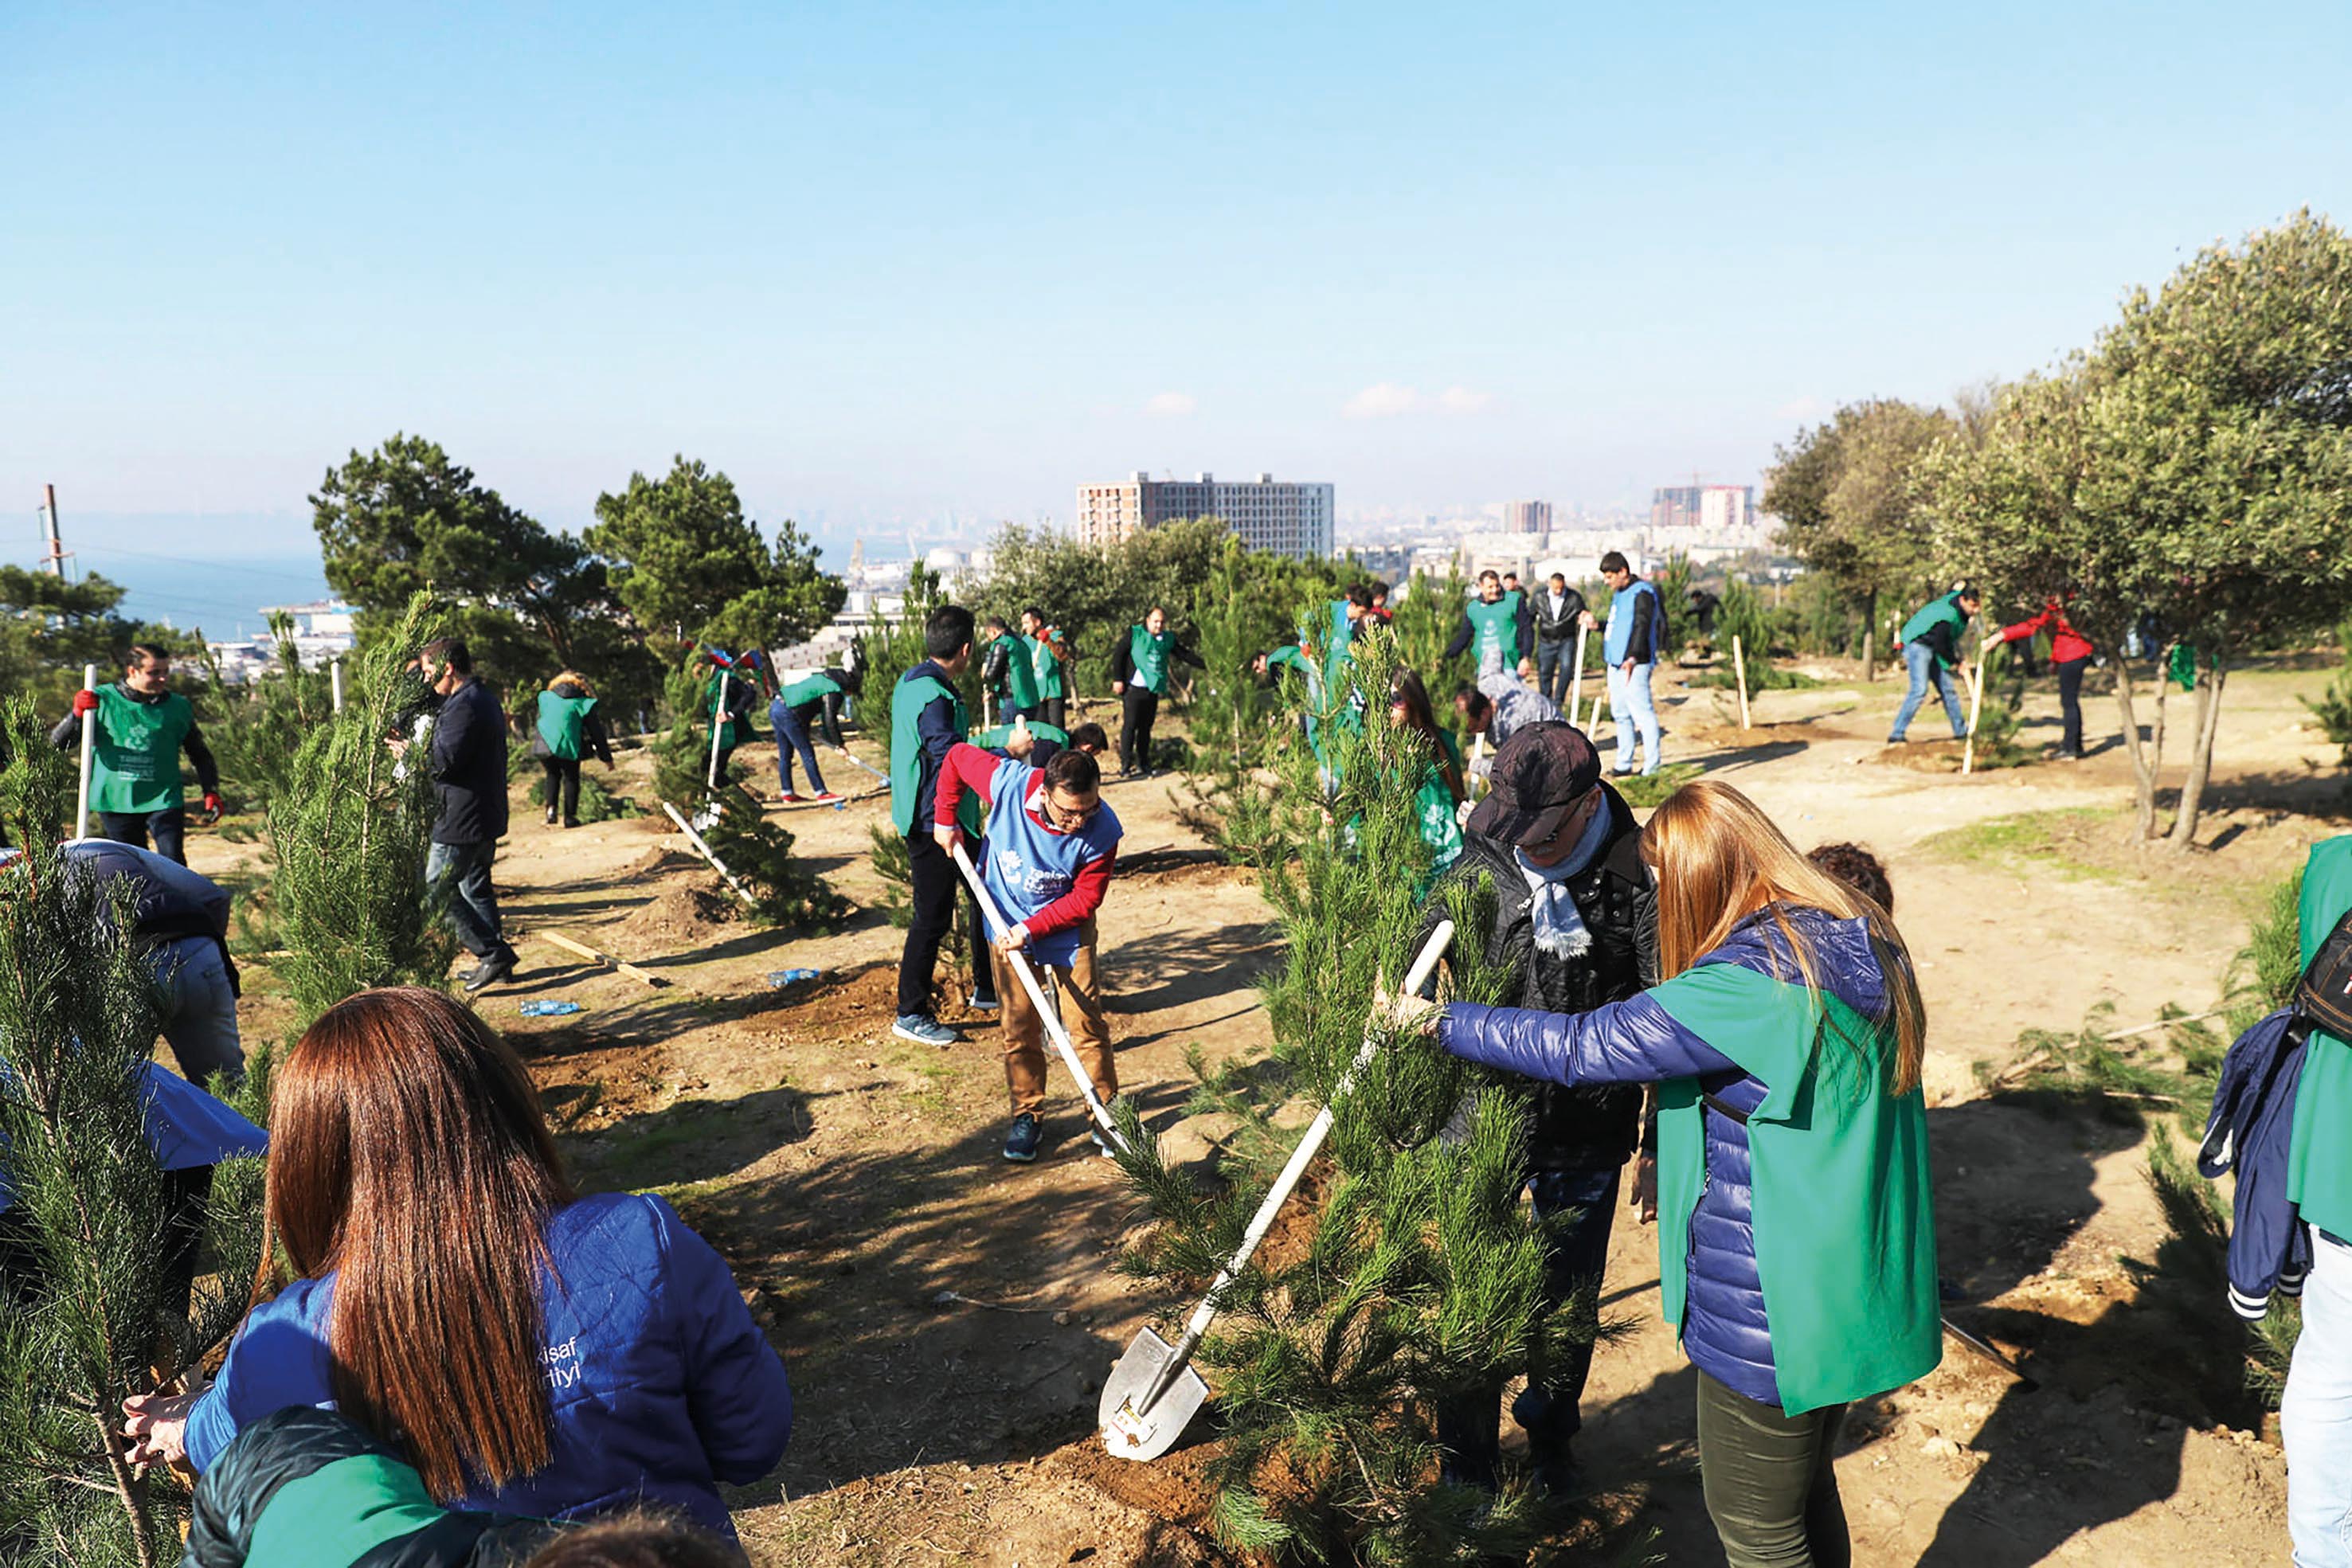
point(883, 262)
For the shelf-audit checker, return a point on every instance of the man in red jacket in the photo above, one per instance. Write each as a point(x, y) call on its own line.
point(2069, 651)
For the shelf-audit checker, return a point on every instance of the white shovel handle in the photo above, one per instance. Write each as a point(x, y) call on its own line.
point(997, 925)
point(1424, 964)
point(89, 753)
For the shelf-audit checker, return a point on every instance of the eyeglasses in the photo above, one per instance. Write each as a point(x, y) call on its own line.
point(1071, 815)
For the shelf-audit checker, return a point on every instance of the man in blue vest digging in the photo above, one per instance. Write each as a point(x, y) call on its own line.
point(1051, 846)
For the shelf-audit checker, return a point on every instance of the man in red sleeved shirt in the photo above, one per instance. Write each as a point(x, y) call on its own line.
point(1050, 847)
point(2070, 652)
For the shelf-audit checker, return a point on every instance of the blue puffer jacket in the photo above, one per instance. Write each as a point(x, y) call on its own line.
point(661, 1385)
point(1724, 1328)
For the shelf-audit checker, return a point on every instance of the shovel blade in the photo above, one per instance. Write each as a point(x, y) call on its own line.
point(1132, 1434)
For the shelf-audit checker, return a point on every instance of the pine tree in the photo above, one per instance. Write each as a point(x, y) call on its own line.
point(84, 1319)
point(256, 731)
point(350, 831)
point(758, 851)
point(1424, 1274)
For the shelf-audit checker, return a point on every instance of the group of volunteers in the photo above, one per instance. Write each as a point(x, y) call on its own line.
point(1737, 1019)
point(1930, 640)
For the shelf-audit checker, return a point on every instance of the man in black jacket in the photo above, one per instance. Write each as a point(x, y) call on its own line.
point(1575, 916)
point(1557, 612)
point(469, 774)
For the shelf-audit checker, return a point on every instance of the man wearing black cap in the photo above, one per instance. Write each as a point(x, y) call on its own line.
point(1575, 915)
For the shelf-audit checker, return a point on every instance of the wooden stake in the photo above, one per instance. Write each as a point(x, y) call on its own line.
point(1740, 669)
point(1576, 679)
point(704, 851)
point(593, 957)
point(89, 751)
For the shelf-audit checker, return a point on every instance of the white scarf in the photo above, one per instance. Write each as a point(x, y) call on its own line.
point(1559, 929)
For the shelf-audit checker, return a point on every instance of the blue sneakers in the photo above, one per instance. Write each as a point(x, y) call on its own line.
point(1021, 1144)
point(923, 1030)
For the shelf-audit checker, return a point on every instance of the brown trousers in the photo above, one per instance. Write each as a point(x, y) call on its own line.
point(1024, 1030)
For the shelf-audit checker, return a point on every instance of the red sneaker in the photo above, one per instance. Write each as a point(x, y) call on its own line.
point(826, 798)
point(788, 799)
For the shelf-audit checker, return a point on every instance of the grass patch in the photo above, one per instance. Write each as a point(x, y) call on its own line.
point(2048, 839)
point(1648, 790)
point(1760, 678)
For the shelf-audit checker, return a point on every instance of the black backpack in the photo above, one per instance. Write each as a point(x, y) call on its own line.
point(2324, 994)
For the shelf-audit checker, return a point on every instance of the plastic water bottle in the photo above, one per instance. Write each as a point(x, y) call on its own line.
point(548, 1010)
point(779, 978)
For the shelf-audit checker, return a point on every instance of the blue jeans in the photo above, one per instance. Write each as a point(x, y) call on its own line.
point(200, 1017)
point(1629, 705)
point(793, 736)
point(1575, 1254)
point(457, 877)
point(2316, 1418)
point(1921, 661)
point(1555, 662)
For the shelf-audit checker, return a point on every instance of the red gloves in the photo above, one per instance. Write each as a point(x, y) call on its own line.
point(85, 701)
point(212, 805)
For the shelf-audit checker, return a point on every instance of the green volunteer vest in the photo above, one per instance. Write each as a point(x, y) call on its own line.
point(1439, 829)
point(735, 729)
point(1844, 1209)
point(1944, 611)
point(810, 689)
point(341, 1511)
point(907, 701)
point(1495, 629)
point(1049, 669)
point(564, 723)
point(994, 739)
point(137, 768)
point(1335, 654)
point(1151, 656)
point(1021, 672)
point(2319, 1153)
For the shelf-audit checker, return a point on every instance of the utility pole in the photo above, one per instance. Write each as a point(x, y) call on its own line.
point(57, 558)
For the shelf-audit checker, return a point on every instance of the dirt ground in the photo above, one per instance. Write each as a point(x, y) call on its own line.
point(948, 1318)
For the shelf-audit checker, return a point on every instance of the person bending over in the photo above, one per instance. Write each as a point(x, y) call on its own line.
point(1498, 707)
point(1052, 845)
point(1797, 1244)
point(813, 702)
point(528, 1350)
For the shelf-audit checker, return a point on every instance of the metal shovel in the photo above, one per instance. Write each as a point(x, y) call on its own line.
point(1153, 1390)
point(1052, 1015)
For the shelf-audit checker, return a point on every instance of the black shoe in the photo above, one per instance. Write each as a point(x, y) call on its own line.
point(551, 816)
point(497, 967)
point(570, 821)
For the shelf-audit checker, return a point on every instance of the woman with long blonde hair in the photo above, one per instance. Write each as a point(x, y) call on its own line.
point(1796, 1223)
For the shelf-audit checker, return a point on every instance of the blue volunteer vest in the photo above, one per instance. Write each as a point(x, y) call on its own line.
point(1620, 634)
point(1029, 866)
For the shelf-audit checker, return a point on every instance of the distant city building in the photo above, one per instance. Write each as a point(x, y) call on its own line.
point(1287, 519)
point(1527, 517)
point(1720, 507)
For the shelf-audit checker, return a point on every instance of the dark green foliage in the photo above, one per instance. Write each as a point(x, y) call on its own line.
point(898, 876)
point(404, 519)
point(86, 1315)
point(1426, 622)
point(2266, 968)
point(50, 628)
point(1423, 1272)
point(682, 753)
point(758, 850)
point(349, 831)
point(689, 567)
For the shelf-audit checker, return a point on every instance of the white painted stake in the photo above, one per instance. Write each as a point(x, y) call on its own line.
point(1739, 668)
point(1976, 701)
point(1576, 680)
point(704, 851)
point(717, 718)
point(335, 675)
point(88, 752)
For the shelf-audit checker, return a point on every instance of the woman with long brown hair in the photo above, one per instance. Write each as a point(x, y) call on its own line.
point(531, 1351)
point(1441, 793)
point(1796, 1234)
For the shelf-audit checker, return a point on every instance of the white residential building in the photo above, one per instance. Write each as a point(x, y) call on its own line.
point(1287, 518)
